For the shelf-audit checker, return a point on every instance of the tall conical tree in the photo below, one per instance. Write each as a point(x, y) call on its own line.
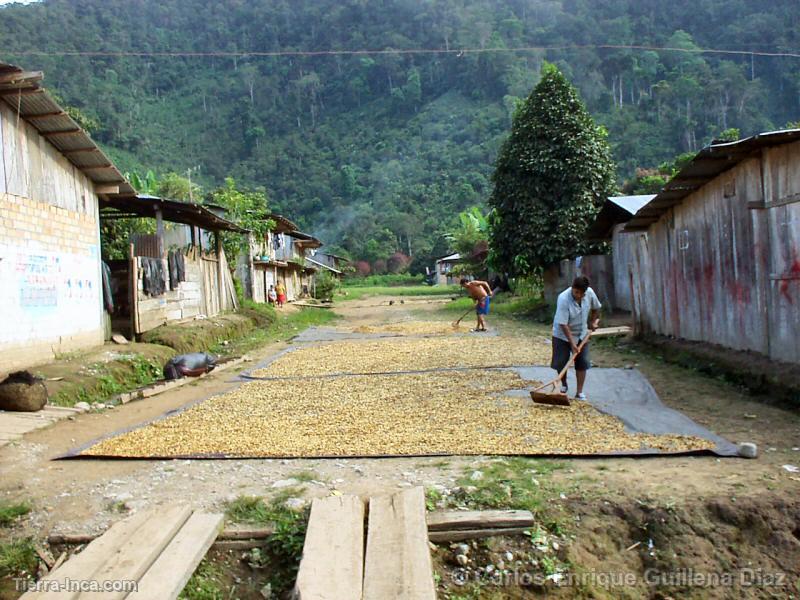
point(552, 175)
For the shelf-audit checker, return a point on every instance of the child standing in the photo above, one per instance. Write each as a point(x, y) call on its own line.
point(272, 295)
point(281, 291)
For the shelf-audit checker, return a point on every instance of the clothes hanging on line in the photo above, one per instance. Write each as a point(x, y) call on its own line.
point(108, 297)
point(177, 268)
point(153, 276)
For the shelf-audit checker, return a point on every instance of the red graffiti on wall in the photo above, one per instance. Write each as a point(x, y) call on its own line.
point(794, 273)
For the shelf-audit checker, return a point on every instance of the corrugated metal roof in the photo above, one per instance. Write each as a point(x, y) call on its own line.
point(305, 239)
point(319, 264)
point(22, 91)
point(282, 224)
point(452, 257)
point(145, 206)
point(710, 162)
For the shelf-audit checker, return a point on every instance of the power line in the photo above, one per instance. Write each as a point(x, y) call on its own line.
point(390, 51)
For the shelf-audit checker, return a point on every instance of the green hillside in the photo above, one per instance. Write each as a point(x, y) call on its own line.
point(378, 152)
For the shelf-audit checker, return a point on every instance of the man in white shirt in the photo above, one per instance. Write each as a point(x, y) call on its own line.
point(577, 311)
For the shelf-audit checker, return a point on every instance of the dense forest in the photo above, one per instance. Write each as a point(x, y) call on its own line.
point(378, 152)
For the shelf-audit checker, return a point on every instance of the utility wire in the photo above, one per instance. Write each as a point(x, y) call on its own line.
point(422, 51)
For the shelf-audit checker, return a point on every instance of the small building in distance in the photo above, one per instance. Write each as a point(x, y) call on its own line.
point(280, 257)
point(332, 263)
point(52, 178)
point(444, 269)
point(717, 252)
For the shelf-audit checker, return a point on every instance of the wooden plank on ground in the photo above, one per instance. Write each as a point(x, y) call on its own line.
point(165, 579)
point(130, 560)
point(398, 562)
point(478, 519)
point(82, 566)
point(608, 331)
point(332, 567)
point(459, 535)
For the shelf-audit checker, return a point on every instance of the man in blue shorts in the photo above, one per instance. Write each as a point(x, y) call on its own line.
point(481, 293)
point(577, 310)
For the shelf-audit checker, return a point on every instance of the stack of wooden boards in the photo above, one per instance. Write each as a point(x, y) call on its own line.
point(395, 561)
point(154, 552)
point(353, 551)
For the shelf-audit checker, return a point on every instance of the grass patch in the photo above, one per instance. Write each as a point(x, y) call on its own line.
point(206, 583)
point(357, 293)
point(203, 334)
point(502, 304)
point(18, 558)
point(101, 381)
point(284, 327)
point(513, 483)
point(10, 512)
point(280, 556)
point(390, 280)
point(304, 476)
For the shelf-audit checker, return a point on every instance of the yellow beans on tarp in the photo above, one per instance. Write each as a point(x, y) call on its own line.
point(433, 413)
point(414, 328)
point(408, 354)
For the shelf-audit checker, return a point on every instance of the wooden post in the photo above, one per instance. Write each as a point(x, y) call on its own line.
point(160, 232)
point(133, 284)
point(220, 274)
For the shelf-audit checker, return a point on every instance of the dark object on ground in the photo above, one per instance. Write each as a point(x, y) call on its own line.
point(189, 365)
point(22, 392)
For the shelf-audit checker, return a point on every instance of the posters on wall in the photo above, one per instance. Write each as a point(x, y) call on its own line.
point(48, 294)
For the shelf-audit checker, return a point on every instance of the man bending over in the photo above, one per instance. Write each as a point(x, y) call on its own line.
point(481, 293)
point(577, 311)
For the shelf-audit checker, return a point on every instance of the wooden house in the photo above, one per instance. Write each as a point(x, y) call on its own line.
point(717, 252)
point(444, 269)
point(610, 274)
point(279, 257)
point(52, 179)
point(330, 262)
point(174, 274)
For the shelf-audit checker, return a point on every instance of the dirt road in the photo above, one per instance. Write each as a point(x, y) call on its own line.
point(609, 494)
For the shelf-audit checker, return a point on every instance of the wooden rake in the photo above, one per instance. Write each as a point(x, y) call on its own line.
point(557, 398)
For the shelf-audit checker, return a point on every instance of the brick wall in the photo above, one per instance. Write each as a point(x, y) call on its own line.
point(50, 282)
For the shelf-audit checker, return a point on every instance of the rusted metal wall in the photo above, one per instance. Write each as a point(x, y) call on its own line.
point(723, 266)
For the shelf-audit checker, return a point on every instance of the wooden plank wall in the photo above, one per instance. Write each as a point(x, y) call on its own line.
point(34, 169)
point(782, 199)
point(597, 267)
point(2, 157)
point(622, 255)
point(719, 269)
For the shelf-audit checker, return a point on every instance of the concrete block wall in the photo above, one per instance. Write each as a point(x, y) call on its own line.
point(185, 302)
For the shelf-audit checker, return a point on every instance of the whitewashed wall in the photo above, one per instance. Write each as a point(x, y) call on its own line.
point(50, 282)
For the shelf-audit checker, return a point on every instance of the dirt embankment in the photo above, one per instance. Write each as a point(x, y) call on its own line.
point(721, 547)
point(755, 372)
point(202, 334)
